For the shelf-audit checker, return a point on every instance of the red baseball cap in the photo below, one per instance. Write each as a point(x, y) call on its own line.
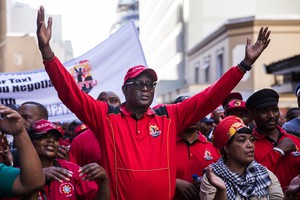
point(231, 96)
point(80, 128)
point(236, 105)
point(41, 127)
point(226, 129)
point(137, 70)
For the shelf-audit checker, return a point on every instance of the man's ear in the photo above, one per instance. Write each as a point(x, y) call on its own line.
point(226, 150)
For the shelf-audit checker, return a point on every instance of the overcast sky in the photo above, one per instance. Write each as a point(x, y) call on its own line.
point(85, 22)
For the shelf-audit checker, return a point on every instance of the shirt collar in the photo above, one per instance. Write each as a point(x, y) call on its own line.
point(201, 138)
point(262, 136)
point(125, 111)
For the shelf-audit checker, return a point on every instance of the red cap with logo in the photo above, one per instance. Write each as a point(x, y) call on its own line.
point(137, 70)
point(236, 105)
point(41, 127)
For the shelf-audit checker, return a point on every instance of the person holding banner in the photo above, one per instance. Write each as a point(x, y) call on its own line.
point(138, 144)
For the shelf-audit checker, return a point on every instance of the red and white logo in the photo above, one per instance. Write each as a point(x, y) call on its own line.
point(66, 189)
point(82, 75)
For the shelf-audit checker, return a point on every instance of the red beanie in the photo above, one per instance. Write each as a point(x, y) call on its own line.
point(225, 130)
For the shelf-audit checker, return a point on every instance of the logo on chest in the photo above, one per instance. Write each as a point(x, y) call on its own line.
point(66, 189)
point(207, 155)
point(154, 131)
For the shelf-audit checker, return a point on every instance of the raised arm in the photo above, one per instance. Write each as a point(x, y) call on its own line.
point(31, 176)
point(44, 33)
point(211, 97)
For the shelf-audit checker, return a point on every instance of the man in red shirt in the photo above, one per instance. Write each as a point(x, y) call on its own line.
point(193, 154)
point(85, 147)
point(274, 148)
point(138, 144)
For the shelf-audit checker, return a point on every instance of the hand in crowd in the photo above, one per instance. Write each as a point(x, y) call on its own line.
point(63, 152)
point(57, 173)
point(5, 153)
point(215, 180)
point(286, 145)
point(93, 171)
point(12, 121)
point(187, 190)
point(293, 190)
point(254, 51)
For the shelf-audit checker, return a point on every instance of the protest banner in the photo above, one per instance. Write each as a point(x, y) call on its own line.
point(101, 68)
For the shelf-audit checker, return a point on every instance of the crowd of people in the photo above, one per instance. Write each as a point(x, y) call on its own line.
point(192, 148)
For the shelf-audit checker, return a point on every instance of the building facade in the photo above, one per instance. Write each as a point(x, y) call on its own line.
point(190, 43)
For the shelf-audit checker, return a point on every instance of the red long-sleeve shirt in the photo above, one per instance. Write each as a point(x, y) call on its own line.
point(139, 155)
point(284, 167)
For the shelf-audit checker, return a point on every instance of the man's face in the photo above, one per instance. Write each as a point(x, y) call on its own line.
point(136, 96)
point(111, 98)
point(29, 114)
point(244, 115)
point(266, 119)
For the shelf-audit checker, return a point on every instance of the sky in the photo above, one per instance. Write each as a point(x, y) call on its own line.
point(85, 22)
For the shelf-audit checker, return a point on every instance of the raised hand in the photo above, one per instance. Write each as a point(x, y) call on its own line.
point(44, 33)
point(12, 122)
point(254, 51)
point(215, 180)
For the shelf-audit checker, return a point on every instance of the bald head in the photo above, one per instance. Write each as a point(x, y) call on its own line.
point(110, 97)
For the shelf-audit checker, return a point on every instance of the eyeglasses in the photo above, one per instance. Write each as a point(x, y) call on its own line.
point(139, 85)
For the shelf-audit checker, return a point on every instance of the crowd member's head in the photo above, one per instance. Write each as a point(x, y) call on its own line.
point(32, 111)
point(292, 113)
point(235, 140)
point(218, 115)
point(205, 126)
point(238, 108)
point(230, 97)
point(263, 107)
point(45, 138)
point(139, 88)
point(110, 97)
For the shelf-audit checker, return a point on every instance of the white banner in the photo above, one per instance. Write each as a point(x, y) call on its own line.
point(102, 68)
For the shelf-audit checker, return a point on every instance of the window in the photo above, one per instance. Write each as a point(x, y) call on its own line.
point(206, 69)
point(197, 72)
point(220, 63)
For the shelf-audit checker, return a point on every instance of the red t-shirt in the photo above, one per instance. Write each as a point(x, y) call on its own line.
point(194, 158)
point(139, 155)
point(284, 167)
point(85, 149)
point(76, 188)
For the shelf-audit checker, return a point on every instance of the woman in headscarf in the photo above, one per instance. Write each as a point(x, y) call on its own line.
point(236, 175)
